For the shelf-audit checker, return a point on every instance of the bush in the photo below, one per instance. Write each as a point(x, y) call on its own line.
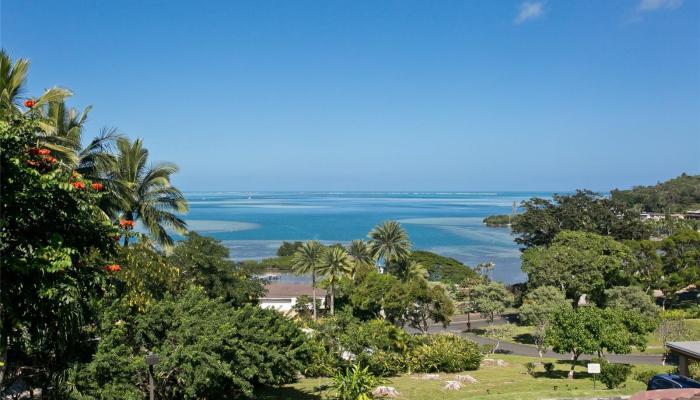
point(355, 383)
point(549, 368)
point(645, 376)
point(614, 375)
point(445, 353)
point(530, 367)
point(207, 350)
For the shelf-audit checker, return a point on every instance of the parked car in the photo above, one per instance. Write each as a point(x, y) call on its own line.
point(669, 381)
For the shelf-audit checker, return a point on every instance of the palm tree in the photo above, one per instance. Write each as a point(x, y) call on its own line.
point(361, 256)
point(406, 269)
point(307, 259)
point(13, 78)
point(389, 241)
point(145, 193)
point(335, 263)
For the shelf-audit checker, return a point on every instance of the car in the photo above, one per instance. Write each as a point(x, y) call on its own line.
point(671, 381)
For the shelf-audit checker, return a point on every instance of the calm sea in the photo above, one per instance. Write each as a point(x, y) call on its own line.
point(253, 225)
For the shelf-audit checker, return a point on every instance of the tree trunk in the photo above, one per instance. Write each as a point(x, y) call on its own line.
point(469, 322)
point(126, 239)
point(313, 287)
point(574, 358)
point(332, 300)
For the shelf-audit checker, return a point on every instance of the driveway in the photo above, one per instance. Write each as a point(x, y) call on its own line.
point(459, 326)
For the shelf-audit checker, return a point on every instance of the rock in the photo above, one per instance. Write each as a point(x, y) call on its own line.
point(453, 385)
point(490, 362)
point(466, 379)
point(430, 376)
point(385, 391)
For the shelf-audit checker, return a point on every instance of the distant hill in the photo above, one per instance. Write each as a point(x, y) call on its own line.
point(675, 195)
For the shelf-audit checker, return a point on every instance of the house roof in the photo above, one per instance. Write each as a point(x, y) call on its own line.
point(287, 290)
point(691, 349)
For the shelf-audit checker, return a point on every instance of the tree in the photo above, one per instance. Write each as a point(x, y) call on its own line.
point(490, 298)
point(537, 310)
point(373, 292)
point(308, 259)
point(407, 269)
point(589, 330)
point(671, 327)
point(389, 242)
point(288, 248)
point(500, 333)
point(578, 263)
point(54, 245)
point(631, 298)
point(207, 350)
point(681, 262)
point(13, 79)
point(427, 304)
point(146, 193)
point(646, 268)
point(361, 255)
point(205, 262)
point(584, 211)
point(335, 263)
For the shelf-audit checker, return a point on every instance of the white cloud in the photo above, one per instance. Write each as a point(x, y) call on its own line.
point(529, 10)
point(651, 5)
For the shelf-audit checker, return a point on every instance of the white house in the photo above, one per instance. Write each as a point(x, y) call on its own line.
point(283, 296)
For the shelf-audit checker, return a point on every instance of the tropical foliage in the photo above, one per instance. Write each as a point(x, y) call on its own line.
point(675, 195)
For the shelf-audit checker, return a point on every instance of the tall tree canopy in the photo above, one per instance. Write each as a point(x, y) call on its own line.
point(578, 263)
point(584, 211)
point(389, 242)
point(145, 192)
point(675, 195)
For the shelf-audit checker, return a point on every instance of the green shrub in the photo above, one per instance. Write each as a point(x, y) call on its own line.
point(355, 383)
point(645, 376)
point(549, 368)
point(207, 350)
point(530, 367)
point(383, 363)
point(614, 375)
point(445, 353)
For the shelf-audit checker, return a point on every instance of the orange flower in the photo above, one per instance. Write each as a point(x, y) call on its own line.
point(126, 223)
point(113, 268)
point(43, 152)
point(50, 160)
point(78, 185)
point(29, 103)
point(97, 186)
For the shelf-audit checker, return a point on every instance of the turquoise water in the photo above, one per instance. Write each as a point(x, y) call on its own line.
point(253, 225)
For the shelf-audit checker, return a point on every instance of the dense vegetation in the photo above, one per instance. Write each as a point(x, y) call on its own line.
point(498, 220)
point(675, 195)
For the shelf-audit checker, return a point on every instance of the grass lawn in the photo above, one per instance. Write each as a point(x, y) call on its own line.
point(523, 335)
point(510, 382)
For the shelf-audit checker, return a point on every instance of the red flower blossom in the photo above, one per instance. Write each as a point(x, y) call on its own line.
point(78, 185)
point(43, 152)
point(126, 223)
point(113, 268)
point(97, 186)
point(50, 160)
point(34, 151)
point(29, 103)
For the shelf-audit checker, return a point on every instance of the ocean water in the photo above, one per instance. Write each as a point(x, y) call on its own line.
point(253, 225)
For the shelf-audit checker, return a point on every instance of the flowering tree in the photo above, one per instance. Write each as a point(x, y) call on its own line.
point(55, 246)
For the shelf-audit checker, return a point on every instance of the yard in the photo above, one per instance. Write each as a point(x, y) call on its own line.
point(509, 382)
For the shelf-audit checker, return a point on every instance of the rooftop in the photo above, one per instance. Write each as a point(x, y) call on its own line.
point(689, 348)
point(286, 290)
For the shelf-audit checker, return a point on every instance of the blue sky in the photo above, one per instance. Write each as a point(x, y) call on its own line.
point(382, 95)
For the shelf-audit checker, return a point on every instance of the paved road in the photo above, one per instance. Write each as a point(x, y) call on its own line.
point(459, 326)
